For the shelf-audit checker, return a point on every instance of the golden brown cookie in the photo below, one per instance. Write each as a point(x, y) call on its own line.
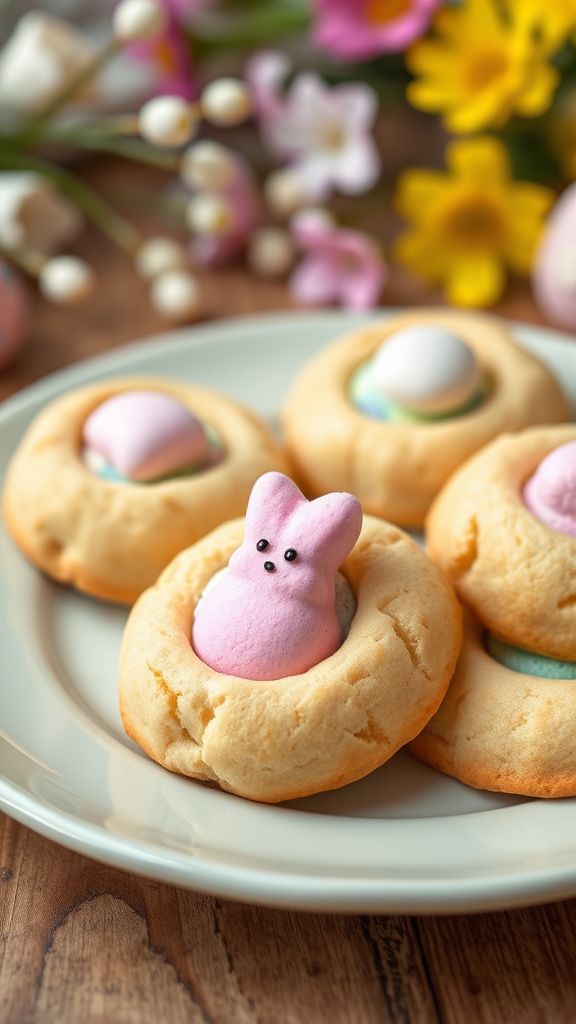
point(286, 738)
point(518, 575)
point(394, 468)
point(502, 730)
point(113, 539)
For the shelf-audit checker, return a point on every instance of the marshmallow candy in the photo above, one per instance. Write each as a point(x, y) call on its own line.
point(550, 493)
point(273, 612)
point(426, 370)
point(144, 435)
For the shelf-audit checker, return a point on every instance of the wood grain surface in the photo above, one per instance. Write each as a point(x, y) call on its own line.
point(82, 942)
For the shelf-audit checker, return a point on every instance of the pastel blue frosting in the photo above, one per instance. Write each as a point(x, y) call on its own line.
point(113, 475)
point(373, 403)
point(527, 662)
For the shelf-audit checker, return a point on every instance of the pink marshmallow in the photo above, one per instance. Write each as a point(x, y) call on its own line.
point(550, 493)
point(146, 434)
point(273, 612)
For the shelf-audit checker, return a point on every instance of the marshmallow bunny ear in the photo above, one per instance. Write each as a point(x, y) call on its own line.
point(273, 499)
point(332, 526)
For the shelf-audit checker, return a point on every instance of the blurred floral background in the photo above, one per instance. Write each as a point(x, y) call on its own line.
point(327, 144)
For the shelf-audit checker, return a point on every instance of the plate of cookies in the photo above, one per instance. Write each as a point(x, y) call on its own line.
point(288, 610)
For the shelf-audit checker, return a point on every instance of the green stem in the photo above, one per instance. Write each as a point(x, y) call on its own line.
point(91, 138)
point(263, 24)
point(72, 88)
point(30, 262)
point(119, 230)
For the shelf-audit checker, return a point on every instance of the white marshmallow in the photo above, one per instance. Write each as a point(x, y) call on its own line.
point(426, 369)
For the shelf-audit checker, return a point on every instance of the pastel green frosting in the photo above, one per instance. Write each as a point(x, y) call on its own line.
point(527, 662)
point(110, 473)
point(371, 401)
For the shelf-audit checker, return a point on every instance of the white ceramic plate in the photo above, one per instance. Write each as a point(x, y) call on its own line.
point(406, 839)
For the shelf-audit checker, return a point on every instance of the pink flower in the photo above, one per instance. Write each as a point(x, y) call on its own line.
point(241, 195)
point(322, 131)
point(341, 266)
point(169, 54)
point(360, 29)
point(266, 73)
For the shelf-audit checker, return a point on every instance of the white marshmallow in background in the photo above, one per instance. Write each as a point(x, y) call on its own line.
point(427, 369)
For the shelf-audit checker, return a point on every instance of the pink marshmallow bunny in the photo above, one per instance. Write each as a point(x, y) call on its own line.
point(272, 613)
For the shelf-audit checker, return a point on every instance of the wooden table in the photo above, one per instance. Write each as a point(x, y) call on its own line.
point(82, 942)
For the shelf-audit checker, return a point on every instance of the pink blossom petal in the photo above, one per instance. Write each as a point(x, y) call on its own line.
point(315, 281)
point(169, 56)
point(361, 290)
point(344, 29)
point(351, 245)
point(341, 265)
point(265, 73)
point(309, 230)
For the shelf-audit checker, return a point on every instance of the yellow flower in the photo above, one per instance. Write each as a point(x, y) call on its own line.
point(553, 21)
point(481, 67)
point(471, 223)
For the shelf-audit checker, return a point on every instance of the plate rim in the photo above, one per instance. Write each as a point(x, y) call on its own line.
point(335, 894)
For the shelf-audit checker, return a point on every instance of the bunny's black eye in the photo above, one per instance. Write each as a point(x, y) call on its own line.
point(262, 545)
point(290, 554)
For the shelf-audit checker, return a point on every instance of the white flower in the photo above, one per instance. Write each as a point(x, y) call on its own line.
point(41, 56)
point(323, 131)
point(33, 215)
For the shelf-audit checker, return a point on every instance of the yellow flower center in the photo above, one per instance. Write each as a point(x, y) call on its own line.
point(484, 67)
point(164, 56)
point(380, 12)
point(474, 222)
point(333, 136)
